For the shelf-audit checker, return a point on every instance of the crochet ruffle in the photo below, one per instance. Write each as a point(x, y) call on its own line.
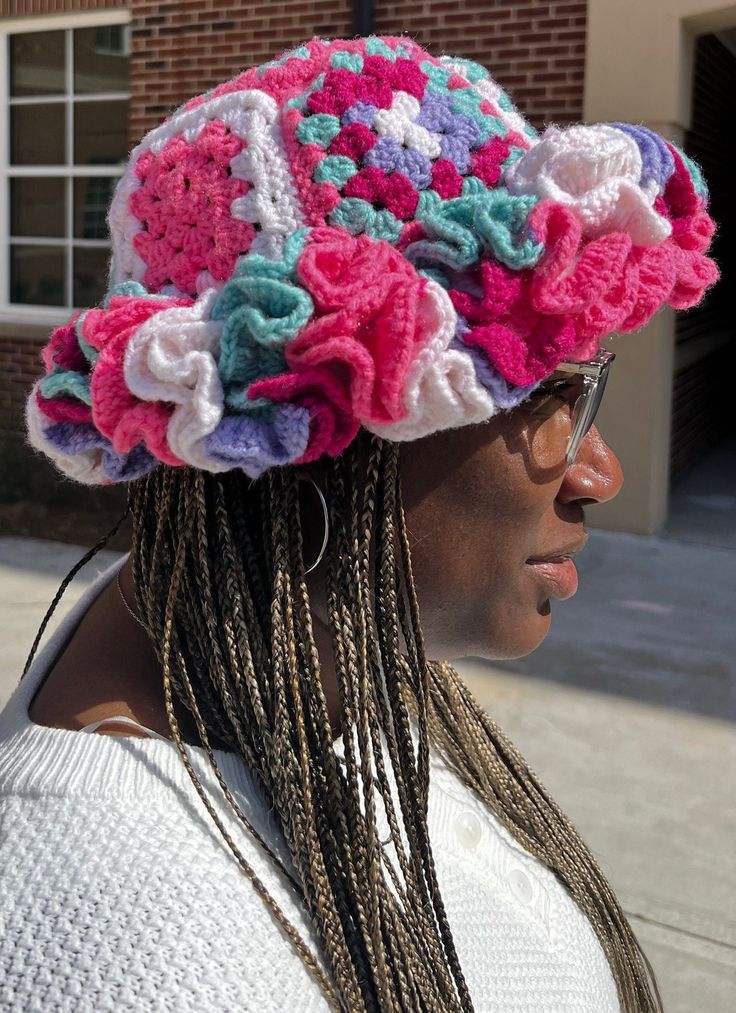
point(358, 234)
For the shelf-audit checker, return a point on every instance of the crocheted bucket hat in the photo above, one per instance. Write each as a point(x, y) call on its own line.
point(357, 234)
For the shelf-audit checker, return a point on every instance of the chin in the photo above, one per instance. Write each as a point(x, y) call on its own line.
point(522, 639)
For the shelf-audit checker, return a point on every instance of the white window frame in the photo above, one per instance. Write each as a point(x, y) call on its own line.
point(23, 312)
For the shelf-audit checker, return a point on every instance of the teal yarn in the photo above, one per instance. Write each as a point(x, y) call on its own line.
point(467, 101)
point(358, 216)
point(460, 230)
point(472, 71)
point(66, 383)
point(129, 288)
point(347, 61)
point(263, 307)
point(321, 129)
point(438, 77)
point(377, 47)
point(301, 53)
point(337, 169)
point(500, 220)
point(91, 354)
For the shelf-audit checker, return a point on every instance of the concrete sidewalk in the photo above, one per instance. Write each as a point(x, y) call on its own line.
point(627, 711)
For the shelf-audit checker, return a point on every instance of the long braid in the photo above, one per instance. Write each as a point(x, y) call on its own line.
point(220, 584)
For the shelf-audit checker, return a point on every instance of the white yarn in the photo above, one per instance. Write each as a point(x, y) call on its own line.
point(441, 390)
point(596, 171)
point(271, 201)
point(399, 122)
point(85, 467)
point(172, 357)
point(126, 264)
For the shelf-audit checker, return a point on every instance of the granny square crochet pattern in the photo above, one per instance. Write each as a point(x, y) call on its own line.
point(358, 234)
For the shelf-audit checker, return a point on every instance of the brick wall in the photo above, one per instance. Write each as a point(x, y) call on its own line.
point(20, 364)
point(534, 48)
point(183, 47)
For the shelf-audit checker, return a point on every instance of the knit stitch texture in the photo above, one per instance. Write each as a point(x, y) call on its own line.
point(118, 894)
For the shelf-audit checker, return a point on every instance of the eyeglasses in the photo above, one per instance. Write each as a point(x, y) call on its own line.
point(581, 385)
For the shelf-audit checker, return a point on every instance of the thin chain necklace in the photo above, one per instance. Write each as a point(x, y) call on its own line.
point(127, 606)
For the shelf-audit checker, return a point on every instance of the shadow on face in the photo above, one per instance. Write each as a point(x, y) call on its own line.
point(490, 510)
point(493, 514)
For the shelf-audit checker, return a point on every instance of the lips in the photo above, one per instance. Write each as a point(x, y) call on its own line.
point(556, 572)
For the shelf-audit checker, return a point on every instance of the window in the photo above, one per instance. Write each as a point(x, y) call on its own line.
point(64, 121)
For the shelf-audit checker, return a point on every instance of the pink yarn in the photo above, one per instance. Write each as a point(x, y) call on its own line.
point(394, 192)
point(571, 277)
point(316, 199)
point(446, 180)
point(522, 353)
point(455, 81)
point(502, 290)
point(63, 409)
point(581, 292)
point(332, 424)
point(184, 206)
point(680, 197)
point(400, 75)
point(367, 326)
point(656, 268)
point(291, 78)
point(519, 341)
point(694, 232)
point(342, 89)
point(63, 349)
point(488, 160)
point(353, 141)
point(118, 414)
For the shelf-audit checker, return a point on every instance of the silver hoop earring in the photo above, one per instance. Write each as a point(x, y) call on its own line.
point(326, 516)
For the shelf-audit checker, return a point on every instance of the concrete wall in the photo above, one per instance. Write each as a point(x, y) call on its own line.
point(639, 69)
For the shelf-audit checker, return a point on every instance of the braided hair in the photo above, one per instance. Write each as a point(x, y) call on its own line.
point(220, 584)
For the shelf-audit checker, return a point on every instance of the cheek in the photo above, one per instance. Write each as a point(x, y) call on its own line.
point(546, 441)
point(468, 553)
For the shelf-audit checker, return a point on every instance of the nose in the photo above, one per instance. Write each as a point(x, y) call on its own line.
point(595, 476)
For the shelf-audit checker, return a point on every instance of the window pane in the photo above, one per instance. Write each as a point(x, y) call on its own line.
point(37, 275)
point(37, 134)
point(37, 63)
point(91, 200)
point(100, 133)
point(37, 207)
point(90, 275)
point(101, 59)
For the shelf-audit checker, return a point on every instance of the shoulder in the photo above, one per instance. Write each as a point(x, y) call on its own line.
point(509, 910)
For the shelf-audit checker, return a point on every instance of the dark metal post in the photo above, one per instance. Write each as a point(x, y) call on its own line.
point(362, 17)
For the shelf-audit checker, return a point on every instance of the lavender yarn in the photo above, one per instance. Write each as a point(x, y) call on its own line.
point(658, 162)
point(390, 156)
point(361, 112)
point(257, 444)
point(436, 113)
point(72, 439)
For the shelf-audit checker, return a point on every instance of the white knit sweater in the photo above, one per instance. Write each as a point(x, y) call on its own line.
point(117, 892)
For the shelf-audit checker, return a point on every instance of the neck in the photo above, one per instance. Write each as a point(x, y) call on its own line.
point(145, 666)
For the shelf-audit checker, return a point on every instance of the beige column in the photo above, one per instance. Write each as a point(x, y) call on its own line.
point(639, 70)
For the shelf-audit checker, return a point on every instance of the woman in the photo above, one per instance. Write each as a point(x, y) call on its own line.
point(349, 364)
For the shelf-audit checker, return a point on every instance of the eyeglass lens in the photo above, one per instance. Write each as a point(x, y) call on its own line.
point(585, 411)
